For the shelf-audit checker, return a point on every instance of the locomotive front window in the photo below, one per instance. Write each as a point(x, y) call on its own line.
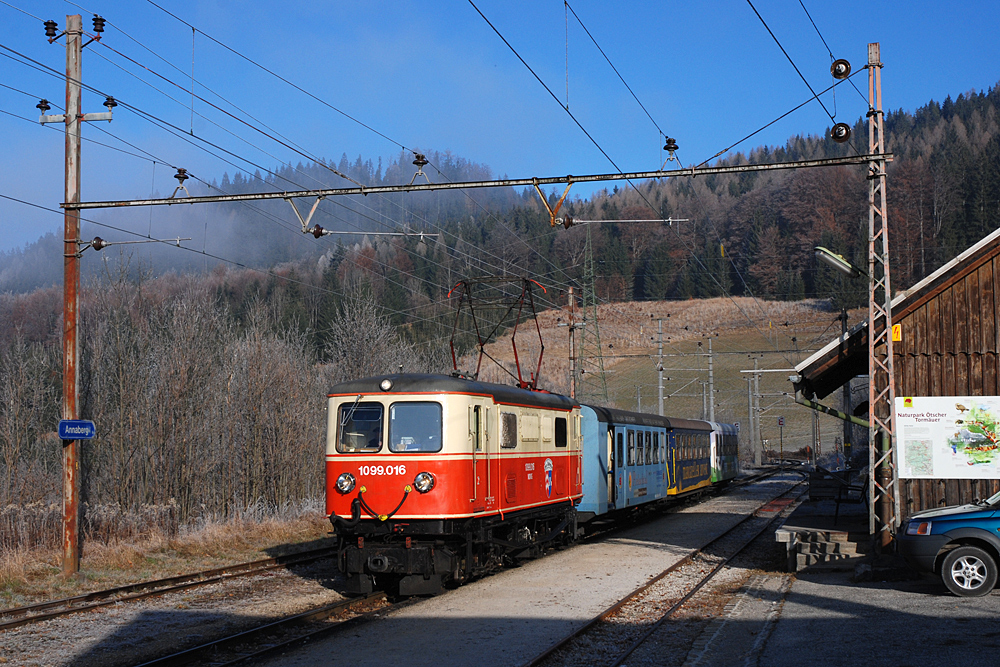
point(415, 427)
point(360, 427)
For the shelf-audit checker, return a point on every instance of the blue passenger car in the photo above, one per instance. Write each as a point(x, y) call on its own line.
point(632, 458)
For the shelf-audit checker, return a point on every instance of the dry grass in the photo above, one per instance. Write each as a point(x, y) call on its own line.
point(630, 328)
point(778, 334)
point(39, 525)
point(33, 574)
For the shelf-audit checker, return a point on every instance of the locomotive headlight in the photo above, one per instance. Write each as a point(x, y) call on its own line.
point(345, 483)
point(423, 482)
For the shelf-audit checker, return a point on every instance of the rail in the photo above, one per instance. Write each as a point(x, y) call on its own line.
point(686, 560)
point(34, 613)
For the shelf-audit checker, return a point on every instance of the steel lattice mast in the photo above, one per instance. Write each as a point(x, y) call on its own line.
point(593, 385)
point(883, 488)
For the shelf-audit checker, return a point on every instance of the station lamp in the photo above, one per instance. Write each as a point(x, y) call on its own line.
point(838, 262)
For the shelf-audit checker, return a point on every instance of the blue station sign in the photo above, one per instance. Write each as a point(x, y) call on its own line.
point(76, 429)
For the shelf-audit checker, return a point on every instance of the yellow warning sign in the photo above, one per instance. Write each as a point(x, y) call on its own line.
point(897, 332)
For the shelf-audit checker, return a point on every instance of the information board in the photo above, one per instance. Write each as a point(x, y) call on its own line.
point(948, 437)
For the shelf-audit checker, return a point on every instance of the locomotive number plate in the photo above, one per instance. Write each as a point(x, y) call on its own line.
point(382, 470)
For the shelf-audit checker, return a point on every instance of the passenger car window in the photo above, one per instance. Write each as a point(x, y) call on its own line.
point(656, 448)
point(649, 448)
point(360, 427)
point(415, 427)
point(631, 448)
point(621, 450)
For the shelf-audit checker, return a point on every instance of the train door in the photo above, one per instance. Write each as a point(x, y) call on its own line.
point(671, 439)
point(611, 468)
point(482, 460)
point(620, 471)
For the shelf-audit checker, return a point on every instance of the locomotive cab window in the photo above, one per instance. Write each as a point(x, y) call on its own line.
point(560, 431)
point(415, 427)
point(360, 426)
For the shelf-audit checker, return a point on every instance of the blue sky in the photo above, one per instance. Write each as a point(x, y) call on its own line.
point(434, 75)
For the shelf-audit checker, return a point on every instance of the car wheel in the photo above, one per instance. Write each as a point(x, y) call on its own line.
point(969, 571)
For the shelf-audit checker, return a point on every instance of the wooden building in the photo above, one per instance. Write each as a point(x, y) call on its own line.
point(950, 335)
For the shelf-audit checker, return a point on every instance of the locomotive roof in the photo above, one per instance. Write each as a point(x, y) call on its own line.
point(403, 383)
point(615, 416)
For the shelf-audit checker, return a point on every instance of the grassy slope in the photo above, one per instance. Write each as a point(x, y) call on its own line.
point(739, 327)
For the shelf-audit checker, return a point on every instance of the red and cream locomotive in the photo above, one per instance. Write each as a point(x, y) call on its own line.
point(435, 478)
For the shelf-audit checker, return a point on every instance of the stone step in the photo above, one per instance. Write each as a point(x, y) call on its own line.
point(827, 561)
point(827, 548)
point(823, 536)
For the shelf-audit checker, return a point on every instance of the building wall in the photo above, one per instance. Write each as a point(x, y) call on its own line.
point(949, 348)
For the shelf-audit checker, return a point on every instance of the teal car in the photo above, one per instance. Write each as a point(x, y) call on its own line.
point(961, 543)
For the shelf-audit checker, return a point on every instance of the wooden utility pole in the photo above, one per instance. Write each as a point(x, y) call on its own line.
point(71, 295)
point(73, 118)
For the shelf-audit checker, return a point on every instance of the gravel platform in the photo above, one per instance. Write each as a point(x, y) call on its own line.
point(509, 618)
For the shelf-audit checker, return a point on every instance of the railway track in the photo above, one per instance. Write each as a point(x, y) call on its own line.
point(253, 645)
point(42, 611)
point(698, 567)
point(250, 646)
point(245, 646)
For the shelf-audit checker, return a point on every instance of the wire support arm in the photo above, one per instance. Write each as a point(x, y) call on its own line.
point(497, 183)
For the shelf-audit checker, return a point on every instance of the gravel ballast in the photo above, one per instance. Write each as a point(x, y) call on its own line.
point(509, 618)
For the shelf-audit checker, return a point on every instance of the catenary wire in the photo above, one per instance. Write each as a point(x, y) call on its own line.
point(796, 68)
point(693, 253)
point(625, 83)
point(3, 2)
point(828, 47)
point(761, 129)
point(180, 133)
point(316, 160)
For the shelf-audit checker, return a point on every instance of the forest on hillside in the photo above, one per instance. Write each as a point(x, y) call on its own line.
point(207, 378)
point(751, 233)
